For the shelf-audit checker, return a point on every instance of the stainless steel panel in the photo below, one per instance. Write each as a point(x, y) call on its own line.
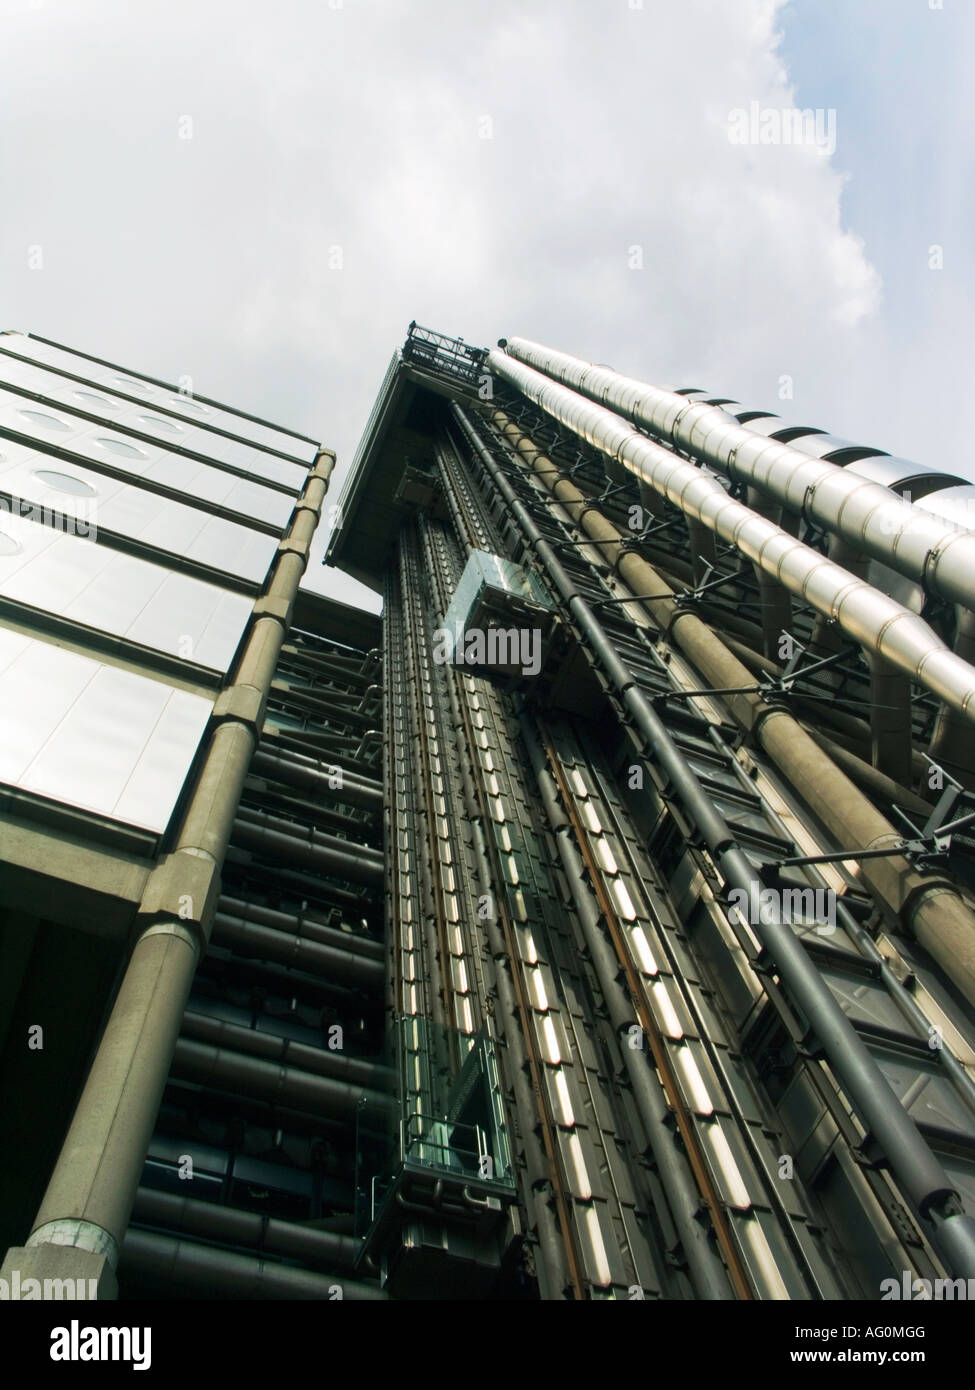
point(93, 736)
point(250, 499)
point(112, 379)
point(926, 1093)
point(175, 434)
point(193, 619)
point(91, 401)
point(171, 469)
point(954, 504)
point(831, 446)
point(128, 510)
point(121, 594)
point(186, 437)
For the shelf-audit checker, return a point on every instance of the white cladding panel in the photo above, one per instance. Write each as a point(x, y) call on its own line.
point(190, 409)
point(94, 736)
point(151, 461)
point(120, 594)
point(39, 481)
point(177, 434)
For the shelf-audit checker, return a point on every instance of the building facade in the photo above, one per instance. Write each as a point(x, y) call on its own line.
point(597, 924)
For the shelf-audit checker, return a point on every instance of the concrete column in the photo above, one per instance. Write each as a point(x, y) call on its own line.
point(82, 1219)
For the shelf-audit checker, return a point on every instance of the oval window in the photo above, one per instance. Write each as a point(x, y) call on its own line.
point(126, 451)
point(44, 422)
point(88, 398)
point(159, 424)
point(65, 482)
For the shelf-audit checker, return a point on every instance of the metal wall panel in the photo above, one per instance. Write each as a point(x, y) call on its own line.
point(121, 595)
point(112, 379)
point(93, 736)
point(175, 434)
point(163, 466)
point(129, 510)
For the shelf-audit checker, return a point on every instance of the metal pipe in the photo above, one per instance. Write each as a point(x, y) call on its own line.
point(289, 1238)
point(869, 516)
point(895, 986)
point(265, 943)
point(318, 778)
point(929, 907)
point(878, 786)
point(952, 743)
point(890, 719)
point(919, 1173)
point(321, 1061)
point(707, 1273)
point(204, 1271)
point(300, 924)
point(869, 616)
point(239, 1073)
point(775, 601)
point(292, 842)
point(306, 886)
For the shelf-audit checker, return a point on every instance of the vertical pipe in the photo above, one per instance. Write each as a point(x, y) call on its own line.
point(890, 719)
point(775, 600)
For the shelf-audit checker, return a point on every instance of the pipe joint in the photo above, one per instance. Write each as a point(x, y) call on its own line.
point(81, 1235)
point(271, 606)
point(242, 703)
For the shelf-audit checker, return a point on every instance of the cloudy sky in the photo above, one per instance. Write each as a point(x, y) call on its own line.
point(262, 196)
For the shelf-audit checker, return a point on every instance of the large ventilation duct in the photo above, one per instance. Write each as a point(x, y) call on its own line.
point(924, 547)
point(208, 1272)
point(871, 618)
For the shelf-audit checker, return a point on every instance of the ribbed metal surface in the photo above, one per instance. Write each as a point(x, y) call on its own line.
point(862, 513)
point(865, 613)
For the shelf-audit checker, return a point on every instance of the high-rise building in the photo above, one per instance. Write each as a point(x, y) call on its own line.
point(598, 923)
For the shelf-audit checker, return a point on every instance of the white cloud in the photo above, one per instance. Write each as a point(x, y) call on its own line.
point(358, 127)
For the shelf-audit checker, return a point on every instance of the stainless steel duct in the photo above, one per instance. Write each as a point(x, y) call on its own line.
point(269, 1235)
point(267, 943)
point(274, 1047)
point(294, 843)
point(301, 924)
point(205, 1271)
point(869, 617)
point(318, 779)
point(241, 1074)
point(909, 539)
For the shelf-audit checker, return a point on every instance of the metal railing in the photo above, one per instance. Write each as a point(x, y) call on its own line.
point(438, 353)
